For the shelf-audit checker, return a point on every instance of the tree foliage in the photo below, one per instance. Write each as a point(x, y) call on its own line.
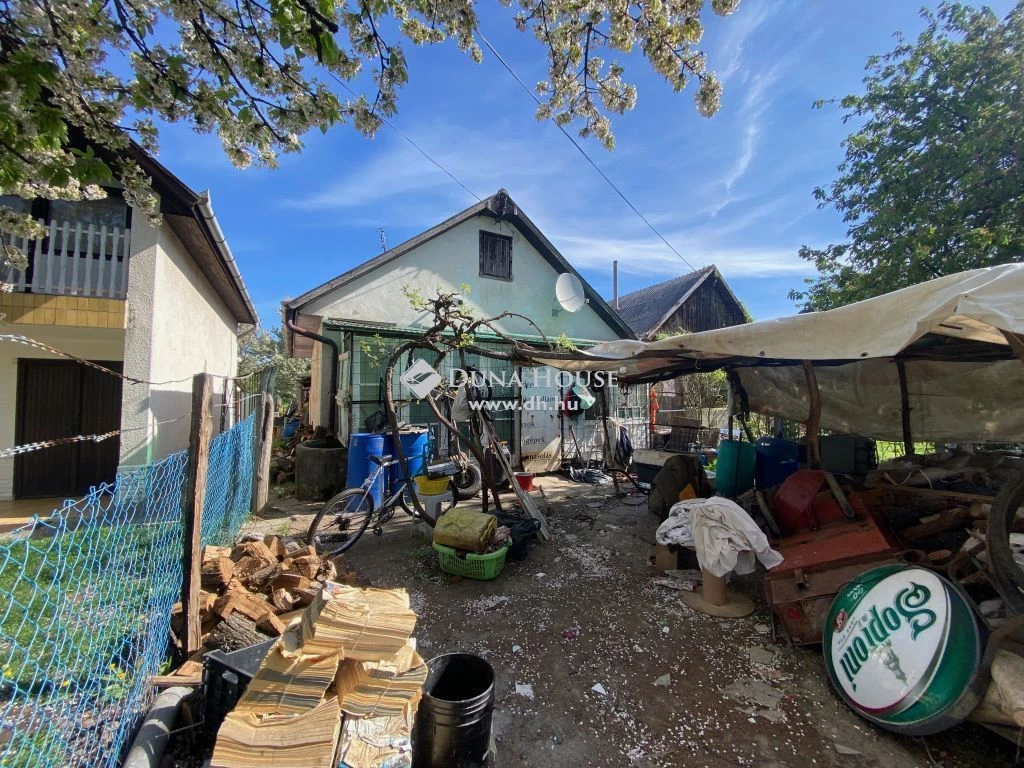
point(262, 348)
point(933, 180)
point(82, 78)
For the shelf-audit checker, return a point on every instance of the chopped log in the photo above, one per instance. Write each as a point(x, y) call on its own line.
point(216, 573)
point(282, 600)
point(213, 552)
point(243, 601)
point(308, 565)
point(206, 601)
point(276, 546)
point(290, 581)
point(255, 549)
point(272, 625)
point(234, 633)
point(306, 595)
point(309, 551)
point(259, 581)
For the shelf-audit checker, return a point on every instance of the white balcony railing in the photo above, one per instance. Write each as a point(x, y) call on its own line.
point(73, 260)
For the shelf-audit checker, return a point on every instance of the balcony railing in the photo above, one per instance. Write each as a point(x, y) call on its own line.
point(74, 259)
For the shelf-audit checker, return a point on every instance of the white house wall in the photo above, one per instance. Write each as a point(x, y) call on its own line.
point(89, 343)
point(447, 262)
point(177, 326)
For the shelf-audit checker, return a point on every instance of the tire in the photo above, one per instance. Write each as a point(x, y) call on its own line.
point(343, 519)
point(469, 481)
point(1006, 573)
point(406, 502)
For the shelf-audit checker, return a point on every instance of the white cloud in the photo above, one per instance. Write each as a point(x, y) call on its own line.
point(649, 257)
point(740, 28)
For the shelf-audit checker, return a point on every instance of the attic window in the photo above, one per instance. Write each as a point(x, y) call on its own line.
point(495, 256)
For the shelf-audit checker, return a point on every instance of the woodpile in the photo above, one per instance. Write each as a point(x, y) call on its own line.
point(251, 591)
point(282, 461)
point(342, 684)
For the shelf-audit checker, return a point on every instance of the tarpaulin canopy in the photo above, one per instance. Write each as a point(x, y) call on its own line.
point(959, 340)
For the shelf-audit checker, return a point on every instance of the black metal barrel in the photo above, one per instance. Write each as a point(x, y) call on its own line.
point(453, 723)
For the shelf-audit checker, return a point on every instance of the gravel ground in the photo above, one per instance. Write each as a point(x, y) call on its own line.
point(578, 635)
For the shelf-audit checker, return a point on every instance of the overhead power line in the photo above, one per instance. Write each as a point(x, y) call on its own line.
point(416, 146)
point(583, 152)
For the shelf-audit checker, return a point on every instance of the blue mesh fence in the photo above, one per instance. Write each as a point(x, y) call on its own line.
point(85, 606)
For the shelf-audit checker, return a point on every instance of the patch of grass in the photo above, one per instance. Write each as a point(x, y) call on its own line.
point(84, 618)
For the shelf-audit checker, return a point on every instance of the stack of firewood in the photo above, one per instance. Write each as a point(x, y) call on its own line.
point(250, 592)
point(282, 462)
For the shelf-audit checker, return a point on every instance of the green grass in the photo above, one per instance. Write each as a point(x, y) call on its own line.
point(77, 609)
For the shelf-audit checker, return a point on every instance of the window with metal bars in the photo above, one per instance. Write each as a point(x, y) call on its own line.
point(495, 255)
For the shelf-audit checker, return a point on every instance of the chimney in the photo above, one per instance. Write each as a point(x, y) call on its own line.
point(615, 283)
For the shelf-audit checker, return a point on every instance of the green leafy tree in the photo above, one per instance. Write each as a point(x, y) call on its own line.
point(83, 78)
point(263, 348)
point(933, 180)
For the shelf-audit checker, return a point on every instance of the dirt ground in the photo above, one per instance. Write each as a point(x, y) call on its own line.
point(583, 611)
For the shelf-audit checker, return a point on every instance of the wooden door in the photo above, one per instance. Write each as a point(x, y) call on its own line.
point(63, 399)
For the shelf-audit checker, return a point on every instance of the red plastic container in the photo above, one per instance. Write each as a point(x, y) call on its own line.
point(525, 480)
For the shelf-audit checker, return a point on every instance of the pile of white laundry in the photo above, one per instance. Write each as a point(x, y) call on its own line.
point(724, 536)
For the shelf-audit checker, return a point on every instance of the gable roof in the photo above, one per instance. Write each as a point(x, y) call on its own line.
point(646, 310)
point(191, 217)
point(501, 207)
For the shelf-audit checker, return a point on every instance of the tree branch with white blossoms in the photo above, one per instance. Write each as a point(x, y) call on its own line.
point(83, 81)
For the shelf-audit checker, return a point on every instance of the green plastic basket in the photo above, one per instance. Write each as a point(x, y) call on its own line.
point(481, 567)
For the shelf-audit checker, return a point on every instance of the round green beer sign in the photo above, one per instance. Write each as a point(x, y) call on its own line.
point(902, 648)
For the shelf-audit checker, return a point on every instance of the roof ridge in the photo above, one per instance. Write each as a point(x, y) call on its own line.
point(663, 283)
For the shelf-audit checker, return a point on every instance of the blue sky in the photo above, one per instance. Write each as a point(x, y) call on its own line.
point(734, 190)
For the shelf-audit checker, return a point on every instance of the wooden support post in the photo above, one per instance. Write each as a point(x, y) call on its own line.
point(813, 415)
point(908, 440)
point(192, 510)
point(261, 472)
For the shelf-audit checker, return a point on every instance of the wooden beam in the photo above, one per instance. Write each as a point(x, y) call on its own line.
point(261, 472)
point(813, 415)
point(192, 511)
point(908, 441)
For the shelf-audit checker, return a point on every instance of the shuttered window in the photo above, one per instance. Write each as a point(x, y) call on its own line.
point(495, 256)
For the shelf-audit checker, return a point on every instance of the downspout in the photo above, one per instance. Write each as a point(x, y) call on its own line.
point(332, 412)
point(205, 209)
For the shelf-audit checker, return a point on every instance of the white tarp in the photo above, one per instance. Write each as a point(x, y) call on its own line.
point(950, 399)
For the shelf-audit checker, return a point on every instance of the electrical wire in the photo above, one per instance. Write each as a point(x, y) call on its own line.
point(416, 146)
point(35, 343)
point(583, 152)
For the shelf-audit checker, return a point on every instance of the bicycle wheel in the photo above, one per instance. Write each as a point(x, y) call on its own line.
point(406, 502)
point(341, 522)
point(1006, 570)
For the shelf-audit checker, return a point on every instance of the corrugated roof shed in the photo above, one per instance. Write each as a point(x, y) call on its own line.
point(644, 310)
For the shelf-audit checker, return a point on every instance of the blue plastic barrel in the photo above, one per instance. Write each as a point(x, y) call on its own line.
point(735, 467)
point(777, 459)
point(413, 446)
point(361, 446)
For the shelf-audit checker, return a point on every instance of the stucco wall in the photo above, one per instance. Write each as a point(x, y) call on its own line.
point(177, 326)
point(451, 259)
point(90, 343)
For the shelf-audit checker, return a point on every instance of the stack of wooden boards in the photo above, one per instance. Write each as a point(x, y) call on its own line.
point(341, 686)
point(251, 591)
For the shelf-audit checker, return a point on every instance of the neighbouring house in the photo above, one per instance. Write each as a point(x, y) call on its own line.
point(688, 409)
point(158, 304)
point(507, 263)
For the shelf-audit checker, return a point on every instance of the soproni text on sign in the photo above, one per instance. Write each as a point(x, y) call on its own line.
point(902, 648)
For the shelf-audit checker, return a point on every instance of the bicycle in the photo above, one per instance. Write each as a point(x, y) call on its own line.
point(346, 516)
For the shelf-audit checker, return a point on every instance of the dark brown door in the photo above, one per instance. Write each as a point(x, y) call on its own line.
point(63, 399)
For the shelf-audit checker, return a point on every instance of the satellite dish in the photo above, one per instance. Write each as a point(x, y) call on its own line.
point(569, 292)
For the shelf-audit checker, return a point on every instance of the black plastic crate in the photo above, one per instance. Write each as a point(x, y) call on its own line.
point(225, 678)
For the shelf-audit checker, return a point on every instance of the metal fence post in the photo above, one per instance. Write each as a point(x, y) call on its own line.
point(192, 510)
